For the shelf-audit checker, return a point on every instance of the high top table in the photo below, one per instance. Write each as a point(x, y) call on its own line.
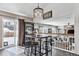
point(39, 41)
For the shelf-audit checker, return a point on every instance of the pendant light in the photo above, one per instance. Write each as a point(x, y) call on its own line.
point(37, 12)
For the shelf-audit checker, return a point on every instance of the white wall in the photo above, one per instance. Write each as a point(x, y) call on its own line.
point(76, 13)
point(57, 21)
point(0, 32)
point(28, 20)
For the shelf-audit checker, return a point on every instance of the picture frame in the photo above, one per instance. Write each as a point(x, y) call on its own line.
point(47, 15)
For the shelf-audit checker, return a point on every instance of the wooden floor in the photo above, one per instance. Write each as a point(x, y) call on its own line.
point(19, 51)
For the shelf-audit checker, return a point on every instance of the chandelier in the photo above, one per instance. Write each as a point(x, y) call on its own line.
point(37, 12)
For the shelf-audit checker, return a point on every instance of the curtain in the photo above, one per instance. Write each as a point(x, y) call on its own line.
point(21, 32)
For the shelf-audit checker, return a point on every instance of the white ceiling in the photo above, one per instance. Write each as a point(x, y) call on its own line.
point(59, 9)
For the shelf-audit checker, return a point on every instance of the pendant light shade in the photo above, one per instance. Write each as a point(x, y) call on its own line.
point(37, 12)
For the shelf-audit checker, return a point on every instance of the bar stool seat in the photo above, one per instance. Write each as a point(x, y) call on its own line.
point(34, 45)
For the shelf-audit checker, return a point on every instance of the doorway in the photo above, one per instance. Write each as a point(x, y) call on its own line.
point(10, 31)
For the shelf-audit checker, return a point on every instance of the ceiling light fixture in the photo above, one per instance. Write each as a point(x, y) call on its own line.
point(37, 12)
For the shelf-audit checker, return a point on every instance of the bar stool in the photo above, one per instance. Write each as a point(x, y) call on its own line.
point(34, 46)
point(27, 48)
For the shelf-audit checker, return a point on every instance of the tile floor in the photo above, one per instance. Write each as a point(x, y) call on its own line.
point(13, 51)
point(19, 51)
